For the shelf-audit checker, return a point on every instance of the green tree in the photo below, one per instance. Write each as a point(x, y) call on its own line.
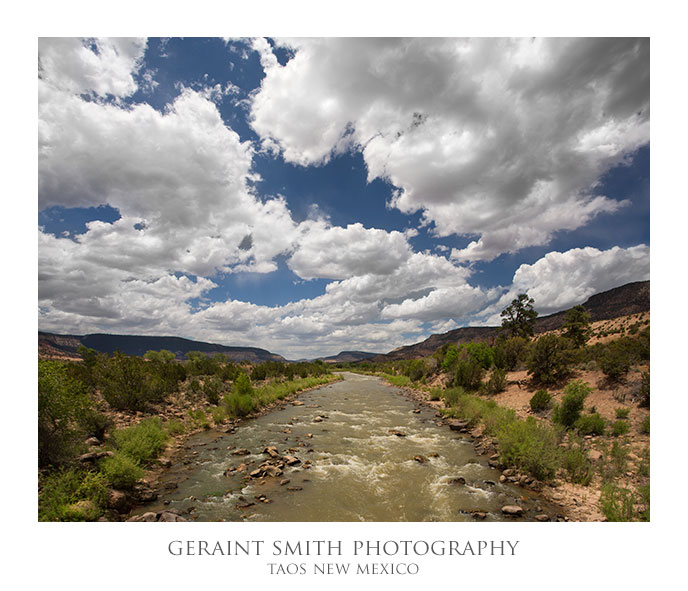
point(577, 325)
point(550, 359)
point(63, 405)
point(518, 318)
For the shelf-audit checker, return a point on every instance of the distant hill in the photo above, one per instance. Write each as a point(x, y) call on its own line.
point(66, 346)
point(631, 298)
point(348, 356)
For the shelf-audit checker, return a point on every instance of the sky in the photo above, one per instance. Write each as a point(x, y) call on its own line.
point(309, 196)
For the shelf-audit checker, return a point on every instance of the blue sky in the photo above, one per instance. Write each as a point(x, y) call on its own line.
point(311, 196)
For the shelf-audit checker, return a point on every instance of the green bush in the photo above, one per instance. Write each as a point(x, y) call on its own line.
point(212, 388)
point(124, 382)
point(468, 374)
point(645, 425)
point(497, 382)
point(480, 352)
point(121, 471)
point(63, 410)
point(530, 446)
point(622, 504)
point(620, 428)
point(199, 420)
point(175, 427)
point(576, 463)
point(452, 396)
point(577, 325)
point(509, 353)
point(540, 401)
point(568, 412)
point(622, 413)
point(219, 415)
point(614, 361)
point(142, 442)
point(414, 370)
point(592, 424)
point(61, 491)
point(550, 359)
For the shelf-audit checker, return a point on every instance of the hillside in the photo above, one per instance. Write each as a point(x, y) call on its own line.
point(348, 356)
point(54, 345)
point(631, 298)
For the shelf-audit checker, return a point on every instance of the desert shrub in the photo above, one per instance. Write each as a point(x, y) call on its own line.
point(121, 471)
point(509, 353)
point(63, 411)
point(540, 400)
point(198, 418)
point(414, 370)
point(451, 396)
point(175, 427)
point(530, 446)
point(568, 412)
point(219, 414)
point(124, 382)
point(644, 392)
point(468, 374)
point(620, 428)
point(550, 359)
point(645, 425)
point(61, 490)
point(242, 385)
point(592, 424)
point(435, 394)
point(212, 388)
point(576, 463)
point(622, 413)
point(497, 382)
point(622, 504)
point(239, 405)
point(614, 361)
point(143, 442)
point(577, 325)
point(96, 423)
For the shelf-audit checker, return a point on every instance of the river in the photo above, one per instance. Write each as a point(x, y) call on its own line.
point(362, 451)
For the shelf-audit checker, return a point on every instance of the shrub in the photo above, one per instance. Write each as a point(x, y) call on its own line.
point(242, 385)
point(622, 504)
point(530, 446)
point(620, 428)
point(199, 420)
point(568, 412)
point(510, 352)
point(644, 390)
point(622, 413)
point(645, 425)
point(480, 352)
point(497, 382)
point(61, 490)
point(540, 400)
point(614, 361)
point(212, 388)
point(414, 370)
point(121, 471)
point(451, 396)
point(123, 382)
point(174, 427)
point(219, 415)
point(239, 405)
point(550, 359)
point(592, 424)
point(63, 408)
point(580, 469)
point(468, 374)
point(577, 325)
point(450, 358)
point(143, 442)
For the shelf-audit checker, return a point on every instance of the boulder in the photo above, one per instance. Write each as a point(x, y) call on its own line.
point(271, 450)
point(458, 480)
point(94, 456)
point(457, 425)
point(116, 499)
point(397, 433)
point(542, 517)
point(241, 452)
point(297, 403)
point(479, 515)
point(420, 459)
point(512, 510)
point(594, 455)
point(291, 460)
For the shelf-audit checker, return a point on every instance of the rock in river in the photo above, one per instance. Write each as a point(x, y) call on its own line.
point(512, 510)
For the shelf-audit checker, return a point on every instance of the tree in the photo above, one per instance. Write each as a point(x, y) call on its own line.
point(550, 359)
point(519, 317)
point(577, 325)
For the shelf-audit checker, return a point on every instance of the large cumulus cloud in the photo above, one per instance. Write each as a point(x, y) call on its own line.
point(503, 140)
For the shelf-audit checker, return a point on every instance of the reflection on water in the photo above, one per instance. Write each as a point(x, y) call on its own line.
point(363, 454)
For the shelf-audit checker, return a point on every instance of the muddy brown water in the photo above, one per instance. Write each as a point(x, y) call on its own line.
point(360, 469)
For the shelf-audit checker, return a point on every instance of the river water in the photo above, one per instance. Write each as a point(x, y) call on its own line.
point(358, 443)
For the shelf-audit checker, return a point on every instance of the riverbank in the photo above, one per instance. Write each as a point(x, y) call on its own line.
point(625, 459)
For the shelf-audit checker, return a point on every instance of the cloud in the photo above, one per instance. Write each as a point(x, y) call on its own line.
point(331, 252)
point(500, 139)
point(560, 280)
point(102, 66)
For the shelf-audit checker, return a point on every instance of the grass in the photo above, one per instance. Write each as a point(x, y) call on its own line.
point(72, 495)
point(142, 442)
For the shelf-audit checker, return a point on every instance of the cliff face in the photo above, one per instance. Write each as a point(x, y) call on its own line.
point(631, 298)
